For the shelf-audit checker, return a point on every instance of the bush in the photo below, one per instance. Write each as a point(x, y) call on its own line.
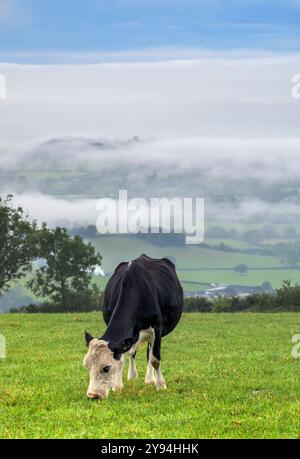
point(224, 304)
point(88, 301)
point(288, 297)
point(197, 304)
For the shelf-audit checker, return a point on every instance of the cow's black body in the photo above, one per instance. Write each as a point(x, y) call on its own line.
point(141, 294)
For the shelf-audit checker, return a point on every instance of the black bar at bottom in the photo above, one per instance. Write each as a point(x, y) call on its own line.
point(133, 448)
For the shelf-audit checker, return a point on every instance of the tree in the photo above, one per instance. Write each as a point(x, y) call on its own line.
point(67, 271)
point(17, 243)
point(288, 297)
point(242, 268)
point(266, 287)
point(290, 233)
point(289, 254)
point(269, 232)
point(217, 232)
point(253, 236)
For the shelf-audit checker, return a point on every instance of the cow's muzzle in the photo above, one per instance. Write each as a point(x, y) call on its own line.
point(95, 396)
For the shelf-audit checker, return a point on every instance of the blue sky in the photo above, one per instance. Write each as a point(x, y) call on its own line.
point(30, 29)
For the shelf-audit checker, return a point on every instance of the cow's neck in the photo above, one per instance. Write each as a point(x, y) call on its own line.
point(121, 330)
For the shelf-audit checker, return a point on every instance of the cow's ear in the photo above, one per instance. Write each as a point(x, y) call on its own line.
point(88, 338)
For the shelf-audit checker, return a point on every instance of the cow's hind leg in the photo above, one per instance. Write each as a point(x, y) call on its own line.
point(156, 362)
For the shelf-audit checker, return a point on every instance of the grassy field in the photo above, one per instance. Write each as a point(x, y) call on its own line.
point(115, 249)
point(229, 376)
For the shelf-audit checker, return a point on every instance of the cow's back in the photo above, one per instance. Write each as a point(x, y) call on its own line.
point(168, 290)
point(112, 291)
point(161, 292)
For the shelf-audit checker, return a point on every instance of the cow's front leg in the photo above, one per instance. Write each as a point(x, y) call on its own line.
point(132, 371)
point(118, 382)
point(156, 362)
point(150, 376)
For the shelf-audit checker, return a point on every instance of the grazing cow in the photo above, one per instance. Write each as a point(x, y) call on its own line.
point(142, 302)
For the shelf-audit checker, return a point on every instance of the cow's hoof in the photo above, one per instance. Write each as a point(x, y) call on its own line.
point(149, 381)
point(160, 385)
point(117, 388)
point(132, 376)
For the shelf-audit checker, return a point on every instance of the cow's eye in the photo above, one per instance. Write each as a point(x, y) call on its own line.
point(106, 369)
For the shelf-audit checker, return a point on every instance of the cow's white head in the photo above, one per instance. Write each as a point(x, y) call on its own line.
point(103, 367)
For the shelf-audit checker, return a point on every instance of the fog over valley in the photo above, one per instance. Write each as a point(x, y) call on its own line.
point(241, 179)
point(222, 126)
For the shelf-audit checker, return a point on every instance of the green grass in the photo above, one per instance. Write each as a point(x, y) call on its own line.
point(229, 376)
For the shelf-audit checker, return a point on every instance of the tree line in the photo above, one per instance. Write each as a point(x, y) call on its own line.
point(284, 299)
point(61, 265)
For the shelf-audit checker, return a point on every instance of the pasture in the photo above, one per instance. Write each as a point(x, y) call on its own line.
point(117, 248)
point(228, 376)
point(206, 265)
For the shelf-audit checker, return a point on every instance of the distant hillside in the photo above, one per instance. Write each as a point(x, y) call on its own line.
point(197, 267)
point(83, 167)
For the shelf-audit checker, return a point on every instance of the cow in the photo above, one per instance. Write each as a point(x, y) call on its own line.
point(143, 302)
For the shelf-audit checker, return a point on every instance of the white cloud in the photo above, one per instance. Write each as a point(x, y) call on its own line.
point(184, 167)
point(69, 213)
point(227, 116)
point(213, 96)
point(269, 160)
point(57, 211)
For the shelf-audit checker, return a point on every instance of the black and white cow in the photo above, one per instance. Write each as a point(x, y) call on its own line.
point(142, 302)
